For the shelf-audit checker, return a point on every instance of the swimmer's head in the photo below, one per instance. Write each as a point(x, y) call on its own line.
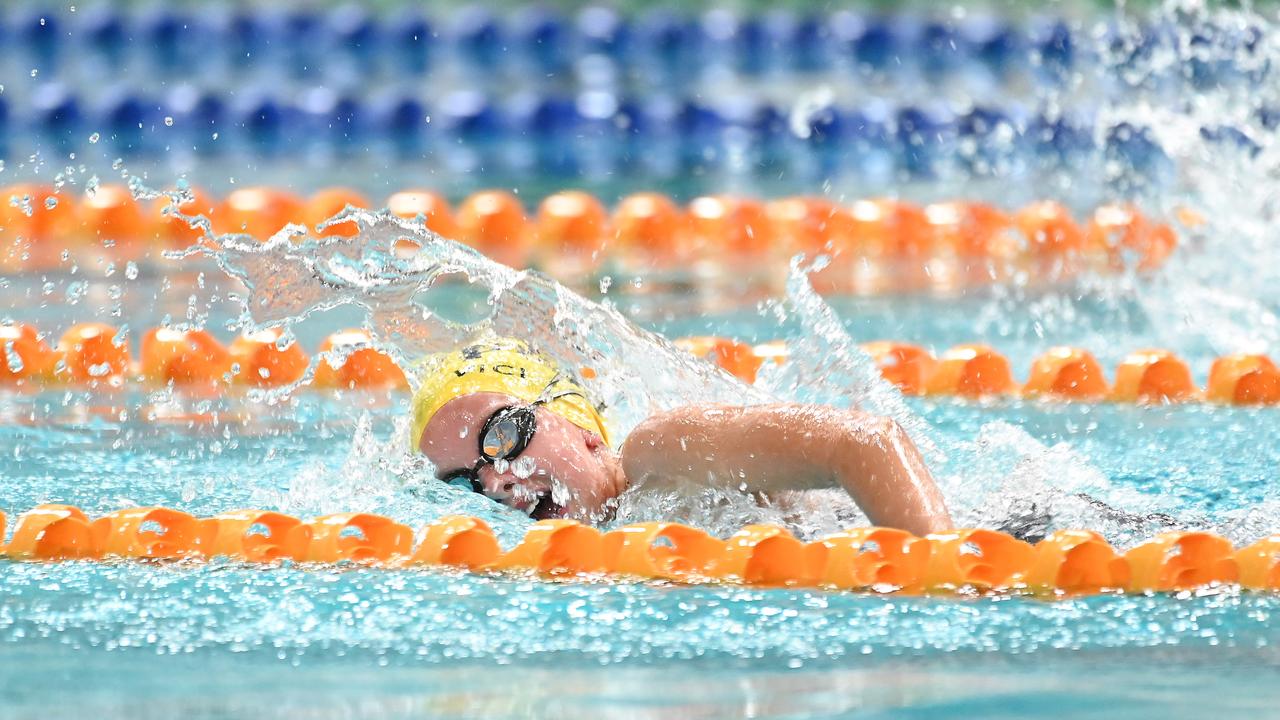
point(508, 422)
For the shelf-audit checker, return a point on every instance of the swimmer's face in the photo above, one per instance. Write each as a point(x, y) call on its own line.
point(565, 472)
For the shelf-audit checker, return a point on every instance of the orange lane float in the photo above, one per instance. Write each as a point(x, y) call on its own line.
point(1259, 564)
point(493, 222)
point(969, 230)
point(459, 541)
point(1121, 230)
point(150, 532)
point(261, 359)
point(736, 226)
point(878, 558)
point(907, 366)
point(357, 537)
point(24, 356)
point(1244, 380)
point(645, 231)
point(769, 555)
point(556, 547)
point(92, 353)
point(54, 532)
point(184, 357)
point(174, 231)
point(109, 216)
point(971, 371)
point(1078, 562)
point(884, 560)
point(1153, 376)
point(650, 229)
point(255, 536)
point(431, 207)
point(359, 364)
point(737, 358)
point(571, 227)
point(326, 203)
point(259, 212)
point(1048, 230)
point(982, 559)
point(661, 550)
point(1067, 373)
point(1181, 561)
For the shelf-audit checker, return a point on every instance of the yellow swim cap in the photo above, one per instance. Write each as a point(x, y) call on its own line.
point(501, 365)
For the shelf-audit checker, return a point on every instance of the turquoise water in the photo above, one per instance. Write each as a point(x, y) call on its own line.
point(222, 640)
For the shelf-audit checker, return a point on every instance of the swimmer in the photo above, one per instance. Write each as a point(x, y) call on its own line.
point(502, 420)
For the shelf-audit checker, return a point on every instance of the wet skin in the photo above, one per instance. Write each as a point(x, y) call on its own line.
point(569, 472)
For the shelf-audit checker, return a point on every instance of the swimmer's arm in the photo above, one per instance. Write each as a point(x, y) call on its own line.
point(790, 447)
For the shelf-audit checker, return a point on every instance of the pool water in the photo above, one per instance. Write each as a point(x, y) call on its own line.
point(224, 640)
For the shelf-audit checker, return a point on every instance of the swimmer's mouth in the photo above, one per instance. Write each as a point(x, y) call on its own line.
point(546, 508)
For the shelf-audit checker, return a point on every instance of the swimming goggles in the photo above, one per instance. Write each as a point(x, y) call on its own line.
point(504, 435)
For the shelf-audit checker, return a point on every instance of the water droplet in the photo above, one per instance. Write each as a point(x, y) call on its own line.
point(605, 283)
point(12, 357)
point(168, 121)
point(523, 467)
point(34, 72)
point(94, 137)
point(131, 270)
point(75, 291)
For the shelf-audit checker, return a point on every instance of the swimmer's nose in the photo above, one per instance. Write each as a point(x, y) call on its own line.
point(498, 486)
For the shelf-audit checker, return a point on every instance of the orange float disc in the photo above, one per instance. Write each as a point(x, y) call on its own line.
point(258, 212)
point(770, 556)
point(1153, 376)
point(1066, 372)
point(907, 366)
point(173, 231)
point(432, 207)
point(661, 550)
point(459, 541)
point(365, 368)
point(24, 357)
point(91, 353)
point(151, 532)
point(984, 559)
point(971, 371)
point(54, 532)
point(557, 547)
point(355, 537)
point(1244, 380)
point(652, 227)
point(255, 536)
point(572, 223)
point(737, 226)
point(869, 557)
point(263, 362)
point(1076, 561)
point(1181, 561)
point(184, 357)
point(110, 216)
point(1049, 229)
point(494, 223)
point(324, 204)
